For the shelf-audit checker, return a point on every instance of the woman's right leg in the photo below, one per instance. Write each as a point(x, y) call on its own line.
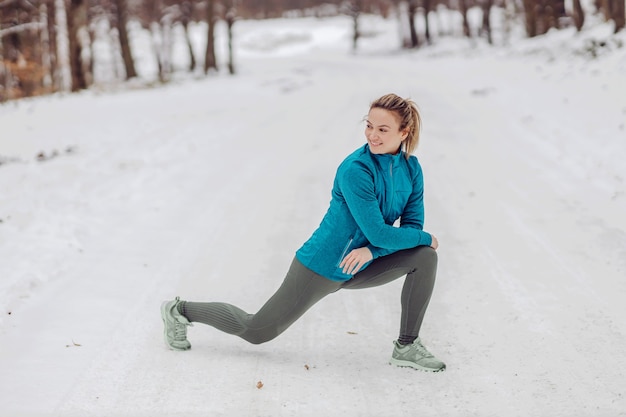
point(300, 290)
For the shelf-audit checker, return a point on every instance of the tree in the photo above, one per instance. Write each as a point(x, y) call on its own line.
point(427, 9)
point(466, 28)
point(76, 20)
point(619, 15)
point(186, 9)
point(530, 15)
point(231, 16)
point(354, 10)
point(3, 71)
point(121, 24)
point(578, 15)
point(412, 32)
point(486, 27)
point(210, 63)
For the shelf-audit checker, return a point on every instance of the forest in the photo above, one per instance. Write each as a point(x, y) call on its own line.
point(47, 46)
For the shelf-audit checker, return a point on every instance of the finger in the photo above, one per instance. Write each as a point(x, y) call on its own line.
point(355, 267)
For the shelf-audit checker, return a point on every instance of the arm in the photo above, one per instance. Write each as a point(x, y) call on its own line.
point(357, 186)
point(412, 216)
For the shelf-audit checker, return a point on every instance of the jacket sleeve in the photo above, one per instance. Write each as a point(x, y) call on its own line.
point(412, 215)
point(357, 186)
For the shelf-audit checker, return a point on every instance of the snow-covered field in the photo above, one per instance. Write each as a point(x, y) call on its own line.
point(205, 188)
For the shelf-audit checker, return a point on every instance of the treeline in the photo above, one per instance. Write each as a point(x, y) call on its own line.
point(48, 45)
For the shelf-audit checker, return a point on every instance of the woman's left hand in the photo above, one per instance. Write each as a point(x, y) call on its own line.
point(355, 260)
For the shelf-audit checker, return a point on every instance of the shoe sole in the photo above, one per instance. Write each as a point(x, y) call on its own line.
point(163, 314)
point(407, 364)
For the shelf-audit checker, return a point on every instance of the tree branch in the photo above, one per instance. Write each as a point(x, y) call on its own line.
point(20, 28)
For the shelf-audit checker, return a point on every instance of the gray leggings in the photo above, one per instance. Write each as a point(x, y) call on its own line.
point(302, 288)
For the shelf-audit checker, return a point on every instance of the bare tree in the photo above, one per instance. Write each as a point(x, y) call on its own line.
point(121, 24)
point(428, 6)
point(578, 14)
point(354, 10)
point(3, 72)
point(619, 15)
point(466, 28)
point(412, 32)
point(186, 10)
point(210, 63)
point(230, 17)
point(486, 26)
point(76, 20)
point(613, 10)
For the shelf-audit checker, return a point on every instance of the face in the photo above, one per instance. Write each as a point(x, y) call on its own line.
point(382, 131)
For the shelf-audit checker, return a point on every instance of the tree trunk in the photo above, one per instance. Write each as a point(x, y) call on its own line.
point(530, 15)
point(209, 56)
point(155, 34)
point(230, 21)
point(619, 14)
point(427, 9)
point(76, 19)
point(486, 27)
point(186, 15)
point(46, 61)
point(578, 15)
point(122, 29)
point(412, 30)
point(4, 88)
point(466, 28)
point(355, 11)
point(50, 29)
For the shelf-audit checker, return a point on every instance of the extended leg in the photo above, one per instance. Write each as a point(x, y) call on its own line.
point(300, 290)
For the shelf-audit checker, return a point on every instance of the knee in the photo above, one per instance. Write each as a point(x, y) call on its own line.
point(258, 338)
point(426, 254)
point(424, 258)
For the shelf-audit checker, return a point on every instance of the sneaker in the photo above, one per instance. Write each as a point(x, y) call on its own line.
point(415, 356)
point(175, 326)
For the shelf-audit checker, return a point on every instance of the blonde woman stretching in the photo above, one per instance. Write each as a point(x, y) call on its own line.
point(355, 246)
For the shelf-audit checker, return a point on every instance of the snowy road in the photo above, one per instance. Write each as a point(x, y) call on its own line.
point(205, 189)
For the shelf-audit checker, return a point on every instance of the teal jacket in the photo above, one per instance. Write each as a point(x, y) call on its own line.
point(370, 193)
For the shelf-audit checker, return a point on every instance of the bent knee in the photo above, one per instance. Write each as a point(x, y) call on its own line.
point(426, 254)
point(258, 338)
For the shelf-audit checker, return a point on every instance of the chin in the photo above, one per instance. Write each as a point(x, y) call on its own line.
point(376, 149)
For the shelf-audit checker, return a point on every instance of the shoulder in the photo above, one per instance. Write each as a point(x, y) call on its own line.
point(359, 161)
point(413, 166)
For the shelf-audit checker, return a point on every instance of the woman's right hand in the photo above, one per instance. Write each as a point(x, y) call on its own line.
point(435, 242)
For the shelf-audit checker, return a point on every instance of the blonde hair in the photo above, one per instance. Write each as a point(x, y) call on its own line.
point(408, 115)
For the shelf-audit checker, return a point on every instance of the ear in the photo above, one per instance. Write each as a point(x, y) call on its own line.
point(404, 134)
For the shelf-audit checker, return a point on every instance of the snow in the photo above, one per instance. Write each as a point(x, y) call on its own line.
point(205, 188)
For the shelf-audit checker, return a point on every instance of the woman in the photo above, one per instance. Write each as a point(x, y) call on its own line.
point(355, 246)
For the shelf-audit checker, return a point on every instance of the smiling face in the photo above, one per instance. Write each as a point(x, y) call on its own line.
point(382, 131)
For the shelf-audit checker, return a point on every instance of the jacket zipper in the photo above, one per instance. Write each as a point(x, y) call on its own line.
point(343, 254)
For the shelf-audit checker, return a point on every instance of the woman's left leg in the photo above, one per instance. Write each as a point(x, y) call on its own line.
point(420, 267)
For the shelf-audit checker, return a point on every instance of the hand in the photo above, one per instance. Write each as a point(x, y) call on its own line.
point(355, 260)
point(435, 243)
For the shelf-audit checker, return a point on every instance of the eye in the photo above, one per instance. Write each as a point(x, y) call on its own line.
point(383, 130)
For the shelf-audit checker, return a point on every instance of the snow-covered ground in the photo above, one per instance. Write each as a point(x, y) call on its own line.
point(205, 188)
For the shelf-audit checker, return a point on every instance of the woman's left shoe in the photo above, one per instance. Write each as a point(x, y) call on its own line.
point(415, 356)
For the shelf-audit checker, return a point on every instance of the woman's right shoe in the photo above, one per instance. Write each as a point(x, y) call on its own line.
point(175, 326)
